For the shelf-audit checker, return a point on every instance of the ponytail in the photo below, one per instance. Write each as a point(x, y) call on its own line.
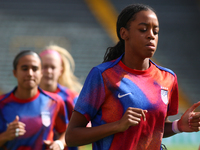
point(114, 52)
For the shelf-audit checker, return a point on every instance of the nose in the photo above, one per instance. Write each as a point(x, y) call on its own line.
point(30, 72)
point(151, 34)
point(49, 69)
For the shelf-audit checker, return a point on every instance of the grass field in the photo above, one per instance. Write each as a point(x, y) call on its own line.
point(184, 147)
point(86, 147)
point(178, 147)
point(182, 141)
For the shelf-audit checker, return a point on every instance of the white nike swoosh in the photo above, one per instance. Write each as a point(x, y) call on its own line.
point(120, 96)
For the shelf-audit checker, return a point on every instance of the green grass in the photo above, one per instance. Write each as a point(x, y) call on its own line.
point(86, 147)
point(178, 147)
point(184, 147)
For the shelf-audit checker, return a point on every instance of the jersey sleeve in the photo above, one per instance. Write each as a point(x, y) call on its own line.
point(173, 101)
point(61, 120)
point(70, 108)
point(92, 95)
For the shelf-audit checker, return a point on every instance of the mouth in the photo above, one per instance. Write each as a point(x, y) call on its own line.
point(47, 77)
point(150, 45)
point(30, 80)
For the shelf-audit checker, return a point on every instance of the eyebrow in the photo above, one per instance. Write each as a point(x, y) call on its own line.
point(28, 66)
point(146, 24)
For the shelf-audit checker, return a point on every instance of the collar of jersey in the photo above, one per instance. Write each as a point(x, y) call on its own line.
point(25, 100)
point(134, 71)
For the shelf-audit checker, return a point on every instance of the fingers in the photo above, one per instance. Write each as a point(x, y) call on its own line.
point(15, 128)
point(195, 128)
point(134, 115)
point(138, 113)
point(47, 142)
point(16, 119)
point(52, 145)
point(143, 114)
point(131, 117)
point(194, 106)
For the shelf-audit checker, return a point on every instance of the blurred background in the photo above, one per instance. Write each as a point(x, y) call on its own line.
point(87, 27)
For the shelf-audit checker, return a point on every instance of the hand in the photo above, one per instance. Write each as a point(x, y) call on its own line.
point(52, 145)
point(15, 129)
point(132, 117)
point(190, 120)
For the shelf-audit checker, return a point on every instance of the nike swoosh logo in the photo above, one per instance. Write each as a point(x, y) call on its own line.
point(120, 96)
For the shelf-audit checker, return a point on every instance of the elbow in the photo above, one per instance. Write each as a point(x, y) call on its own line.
point(68, 139)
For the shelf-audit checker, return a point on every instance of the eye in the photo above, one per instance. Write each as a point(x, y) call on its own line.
point(24, 69)
point(143, 30)
point(156, 31)
point(35, 68)
point(45, 67)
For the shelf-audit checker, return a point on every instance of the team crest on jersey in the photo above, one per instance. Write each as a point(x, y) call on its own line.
point(164, 95)
point(46, 118)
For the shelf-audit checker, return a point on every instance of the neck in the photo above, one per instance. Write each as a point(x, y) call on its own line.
point(135, 62)
point(25, 93)
point(50, 88)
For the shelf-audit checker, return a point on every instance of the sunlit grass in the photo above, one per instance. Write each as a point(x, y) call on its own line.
point(183, 147)
point(86, 147)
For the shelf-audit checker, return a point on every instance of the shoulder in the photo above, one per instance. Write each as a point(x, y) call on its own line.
point(5, 96)
point(106, 65)
point(163, 69)
point(50, 95)
point(66, 91)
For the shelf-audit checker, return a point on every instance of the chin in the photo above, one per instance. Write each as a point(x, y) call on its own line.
point(30, 87)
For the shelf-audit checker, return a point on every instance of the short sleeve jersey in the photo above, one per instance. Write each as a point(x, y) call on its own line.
point(68, 96)
point(41, 114)
point(112, 87)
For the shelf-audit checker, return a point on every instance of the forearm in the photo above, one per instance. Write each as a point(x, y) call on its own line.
point(168, 129)
point(85, 135)
point(62, 138)
point(3, 139)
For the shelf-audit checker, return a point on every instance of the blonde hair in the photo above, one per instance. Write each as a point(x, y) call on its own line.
point(67, 78)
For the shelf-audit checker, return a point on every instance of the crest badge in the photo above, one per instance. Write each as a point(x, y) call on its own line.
point(46, 118)
point(164, 96)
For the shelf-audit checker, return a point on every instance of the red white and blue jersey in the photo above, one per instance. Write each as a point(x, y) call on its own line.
point(42, 114)
point(69, 97)
point(112, 87)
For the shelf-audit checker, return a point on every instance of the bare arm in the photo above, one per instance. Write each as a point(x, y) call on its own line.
point(189, 122)
point(168, 128)
point(78, 134)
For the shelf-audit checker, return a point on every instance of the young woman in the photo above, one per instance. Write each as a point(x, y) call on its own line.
point(28, 116)
point(128, 97)
point(57, 68)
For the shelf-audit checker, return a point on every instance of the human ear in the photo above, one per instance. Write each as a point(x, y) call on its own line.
point(124, 33)
point(61, 70)
point(14, 73)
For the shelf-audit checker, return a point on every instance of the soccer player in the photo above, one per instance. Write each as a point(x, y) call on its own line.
point(57, 68)
point(58, 77)
point(28, 115)
point(128, 97)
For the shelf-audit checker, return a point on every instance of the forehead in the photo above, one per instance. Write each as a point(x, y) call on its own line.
point(146, 17)
point(51, 59)
point(29, 60)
